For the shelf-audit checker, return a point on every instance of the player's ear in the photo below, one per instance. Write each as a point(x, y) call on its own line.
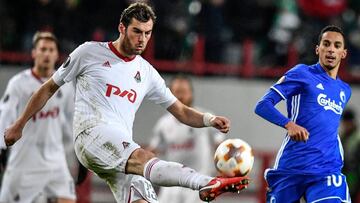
point(317, 49)
point(121, 28)
point(33, 53)
point(344, 54)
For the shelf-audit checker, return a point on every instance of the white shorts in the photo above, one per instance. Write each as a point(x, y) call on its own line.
point(105, 150)
point(25, 186)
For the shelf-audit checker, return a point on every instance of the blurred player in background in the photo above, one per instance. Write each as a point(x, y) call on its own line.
point(37, 165)
point(350, 137)
point(310, 159)
point(112, 79)
point(175, 141)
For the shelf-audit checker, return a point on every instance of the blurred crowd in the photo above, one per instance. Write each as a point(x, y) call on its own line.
point(276, 27)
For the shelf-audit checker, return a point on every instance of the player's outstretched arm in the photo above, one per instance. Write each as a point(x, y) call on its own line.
point(194, 118)
point(35, 104)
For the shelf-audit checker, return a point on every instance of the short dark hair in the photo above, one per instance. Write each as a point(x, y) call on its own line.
point(39, 35)
point(140, 11)
point(181, 77)
point(331, 28)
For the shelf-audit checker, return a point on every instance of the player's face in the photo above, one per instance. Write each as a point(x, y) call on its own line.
point(182, 91)
point(136, 36)
point(45, 54)
point(331, 50)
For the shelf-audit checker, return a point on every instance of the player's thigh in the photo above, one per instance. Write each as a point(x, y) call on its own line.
point(131, 188)
point(61, 186)
point(328, 188)
point(18, 186)
point(284, 188)
point(104, 149)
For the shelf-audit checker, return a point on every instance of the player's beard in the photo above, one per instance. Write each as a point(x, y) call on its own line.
point(128, 48)
point(330, 67)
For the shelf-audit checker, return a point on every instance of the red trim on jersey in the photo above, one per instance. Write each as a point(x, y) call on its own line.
point(117, 53)
point(38, 78)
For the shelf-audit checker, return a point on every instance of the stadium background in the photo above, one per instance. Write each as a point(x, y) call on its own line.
point(233, 50)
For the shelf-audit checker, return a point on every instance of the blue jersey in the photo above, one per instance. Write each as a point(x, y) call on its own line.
point(315, 101)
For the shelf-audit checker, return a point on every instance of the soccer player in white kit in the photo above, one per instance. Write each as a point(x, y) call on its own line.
point(37, 164)
point(111, 81)
point(193, 147)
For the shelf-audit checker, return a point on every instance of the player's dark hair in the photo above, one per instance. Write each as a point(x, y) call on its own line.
point(181, 77)
point(39, 35)
point(140, 11)
point(331, 28)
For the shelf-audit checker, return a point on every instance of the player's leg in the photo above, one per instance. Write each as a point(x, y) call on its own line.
point(284, 188)
point(61, 185)
point(108, 149)
point(157, 171)
point(105, 150)
point(18, 186)
point(328, 189)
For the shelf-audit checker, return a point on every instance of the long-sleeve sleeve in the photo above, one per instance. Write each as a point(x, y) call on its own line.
point(266, 108)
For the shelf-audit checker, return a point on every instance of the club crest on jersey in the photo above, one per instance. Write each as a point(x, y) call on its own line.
point(137, 77)
point(329, 104)
point(342, 96)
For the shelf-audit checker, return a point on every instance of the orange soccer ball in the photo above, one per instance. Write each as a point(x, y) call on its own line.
point(234, 157)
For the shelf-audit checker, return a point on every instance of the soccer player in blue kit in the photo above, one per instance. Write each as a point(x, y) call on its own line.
point(310, 158)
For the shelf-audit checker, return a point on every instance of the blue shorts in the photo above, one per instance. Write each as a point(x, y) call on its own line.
point(289, 188)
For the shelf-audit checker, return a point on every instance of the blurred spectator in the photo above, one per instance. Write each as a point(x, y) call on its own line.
point(350, 137)
point(172, 27)
point(212, 27)
point(250, 20)
point(281, 35)
point(351, 20)
point(323, 8)
point(245, 19)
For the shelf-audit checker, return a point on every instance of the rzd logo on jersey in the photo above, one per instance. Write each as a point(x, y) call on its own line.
point(112, 89)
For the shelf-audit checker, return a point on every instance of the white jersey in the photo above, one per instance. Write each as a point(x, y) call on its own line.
point(193, 147)
point(110, 87)
point(41, 146)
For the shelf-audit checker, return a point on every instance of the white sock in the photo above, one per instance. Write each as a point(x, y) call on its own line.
point(166, 173)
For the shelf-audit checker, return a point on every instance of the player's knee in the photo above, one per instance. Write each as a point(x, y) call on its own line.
point(142, 155)
point(137, 161)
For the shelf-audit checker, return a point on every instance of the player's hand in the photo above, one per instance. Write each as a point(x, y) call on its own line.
point(296, 132)
point(12, 134)
point(221, 123)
